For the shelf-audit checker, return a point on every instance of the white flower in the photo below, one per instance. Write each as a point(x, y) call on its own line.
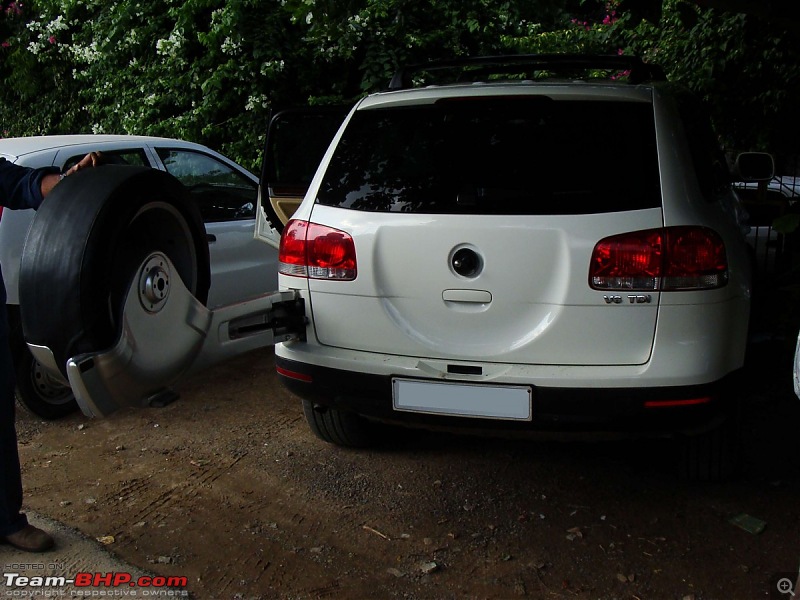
point(171, 45)
point(86, 54)
point(55, 25)
point(257, 101)
point(230, 46)
point(271, 66)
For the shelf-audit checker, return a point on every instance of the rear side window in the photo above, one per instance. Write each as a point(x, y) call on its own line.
point(506, 155)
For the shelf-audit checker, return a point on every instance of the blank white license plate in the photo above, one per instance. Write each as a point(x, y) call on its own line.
point(462, 399)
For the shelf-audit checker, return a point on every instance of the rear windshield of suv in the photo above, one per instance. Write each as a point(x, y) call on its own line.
point(506, 155)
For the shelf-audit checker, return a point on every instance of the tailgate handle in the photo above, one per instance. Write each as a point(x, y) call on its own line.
point(471, 296)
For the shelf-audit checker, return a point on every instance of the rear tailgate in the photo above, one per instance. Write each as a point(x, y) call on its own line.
point(474, 219)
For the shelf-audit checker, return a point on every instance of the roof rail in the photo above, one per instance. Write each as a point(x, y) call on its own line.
point(482, 66)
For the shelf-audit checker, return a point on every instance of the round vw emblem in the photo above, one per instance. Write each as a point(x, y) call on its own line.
point(466, 262)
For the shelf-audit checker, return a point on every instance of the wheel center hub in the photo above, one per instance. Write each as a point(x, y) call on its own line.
point(154, 283)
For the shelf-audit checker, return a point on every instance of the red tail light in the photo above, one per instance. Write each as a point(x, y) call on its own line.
point(673, 258)
point(317, 252)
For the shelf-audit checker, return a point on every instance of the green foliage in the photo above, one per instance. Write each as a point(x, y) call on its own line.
point(746, 68)
point(211, 70)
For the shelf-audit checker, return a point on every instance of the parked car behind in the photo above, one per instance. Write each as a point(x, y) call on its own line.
point(224, 191)
point(764, 203)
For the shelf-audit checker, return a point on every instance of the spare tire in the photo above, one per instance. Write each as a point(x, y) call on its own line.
point(86, 244)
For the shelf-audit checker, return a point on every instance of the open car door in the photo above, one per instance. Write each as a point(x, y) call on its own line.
point(297, 139)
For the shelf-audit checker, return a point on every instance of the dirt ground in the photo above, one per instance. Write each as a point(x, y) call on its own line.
point(228, 487)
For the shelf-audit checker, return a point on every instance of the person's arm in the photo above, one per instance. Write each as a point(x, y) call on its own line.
point(21, 187)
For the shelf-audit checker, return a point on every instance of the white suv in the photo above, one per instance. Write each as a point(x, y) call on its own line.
point(522, 254)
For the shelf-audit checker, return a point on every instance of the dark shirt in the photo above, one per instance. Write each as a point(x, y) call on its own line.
point(21, 187)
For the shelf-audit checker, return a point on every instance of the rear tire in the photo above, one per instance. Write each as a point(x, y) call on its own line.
point(39, 392)
point(339, 427)
point(714, 455)
point(36, 389)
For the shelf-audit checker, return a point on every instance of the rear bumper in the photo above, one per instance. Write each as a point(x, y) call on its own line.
point(652, 411)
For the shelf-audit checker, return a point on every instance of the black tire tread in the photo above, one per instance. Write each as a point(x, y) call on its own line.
point(714, 455)
point(341, 428)
point(71, 251)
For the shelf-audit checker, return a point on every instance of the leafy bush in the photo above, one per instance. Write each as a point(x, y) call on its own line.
point(211, 70)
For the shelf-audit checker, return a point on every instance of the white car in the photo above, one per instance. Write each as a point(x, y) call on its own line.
point(524, 255)
point(225, 192)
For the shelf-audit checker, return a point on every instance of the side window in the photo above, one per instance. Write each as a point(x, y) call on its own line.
point(135, 156)
point(221, 193)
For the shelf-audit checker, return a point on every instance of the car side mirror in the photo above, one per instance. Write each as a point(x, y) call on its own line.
point(754, 166)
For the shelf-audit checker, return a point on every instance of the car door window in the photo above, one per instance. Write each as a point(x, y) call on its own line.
point(134, 156)
point(221, 192)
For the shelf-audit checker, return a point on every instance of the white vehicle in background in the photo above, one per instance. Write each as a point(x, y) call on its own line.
point(797, 368)
point(225, 193)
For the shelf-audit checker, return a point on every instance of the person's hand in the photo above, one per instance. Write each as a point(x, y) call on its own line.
point(90, 160)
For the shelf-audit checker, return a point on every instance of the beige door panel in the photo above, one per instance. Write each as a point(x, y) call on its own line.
point(285, 206)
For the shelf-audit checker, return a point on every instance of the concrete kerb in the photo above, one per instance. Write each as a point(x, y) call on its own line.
point(73, 553)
